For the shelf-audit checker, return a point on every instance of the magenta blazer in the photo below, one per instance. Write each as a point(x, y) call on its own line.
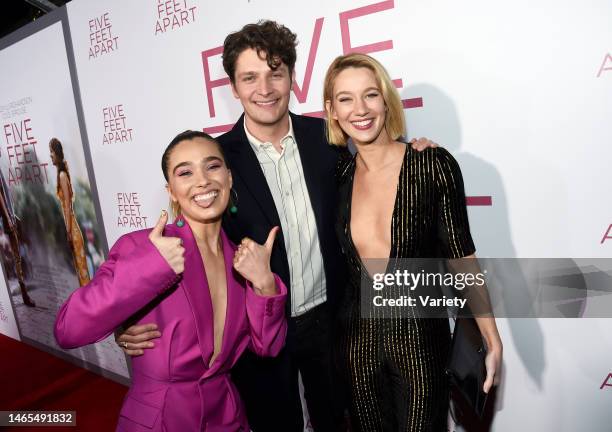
point(173, 388)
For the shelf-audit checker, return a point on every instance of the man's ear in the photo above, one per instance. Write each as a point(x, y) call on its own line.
point(234, 92)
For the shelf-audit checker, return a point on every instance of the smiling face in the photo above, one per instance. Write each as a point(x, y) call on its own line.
point(199, 180)
point(263, 92)
point(358, 105)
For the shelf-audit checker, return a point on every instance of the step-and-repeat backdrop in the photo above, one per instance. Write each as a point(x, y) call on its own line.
point(518, 92)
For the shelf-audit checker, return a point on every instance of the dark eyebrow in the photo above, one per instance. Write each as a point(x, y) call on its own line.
point(180, 165)
point(212, 158)
point(204, 161)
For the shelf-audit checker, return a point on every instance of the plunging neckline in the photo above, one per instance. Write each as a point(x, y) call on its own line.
point(393, 218)
point(210, 364)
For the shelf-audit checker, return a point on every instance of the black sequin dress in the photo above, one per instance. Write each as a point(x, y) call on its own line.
point(394, 368)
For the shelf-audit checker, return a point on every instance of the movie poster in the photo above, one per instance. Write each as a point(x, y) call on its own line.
point(8, 325)
point(51, 242)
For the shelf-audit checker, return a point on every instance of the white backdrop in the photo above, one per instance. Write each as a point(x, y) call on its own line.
point(511, 89)
point(519, 92)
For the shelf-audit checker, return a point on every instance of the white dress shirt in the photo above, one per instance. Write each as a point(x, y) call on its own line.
point(285, 177)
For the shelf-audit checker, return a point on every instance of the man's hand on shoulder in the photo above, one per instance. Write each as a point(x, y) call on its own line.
point(421, 144)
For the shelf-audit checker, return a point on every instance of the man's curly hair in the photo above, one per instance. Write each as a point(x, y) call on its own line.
point(268, 38)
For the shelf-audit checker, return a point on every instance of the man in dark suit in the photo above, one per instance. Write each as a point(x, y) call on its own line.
point(283, 172)
point(284, 175)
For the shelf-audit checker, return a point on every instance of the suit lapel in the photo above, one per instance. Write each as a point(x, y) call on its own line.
point(244, 164)
point(195, 284)
point(235, 297)
point(308, 146)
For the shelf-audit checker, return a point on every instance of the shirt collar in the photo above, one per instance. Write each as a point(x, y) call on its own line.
point(257, 145)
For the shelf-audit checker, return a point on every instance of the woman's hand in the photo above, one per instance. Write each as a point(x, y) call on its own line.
point(252, 261)
point(171, 248)
point(493, 362)
point(480, 305)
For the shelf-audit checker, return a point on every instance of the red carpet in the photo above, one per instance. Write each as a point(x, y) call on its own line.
point(31, 379)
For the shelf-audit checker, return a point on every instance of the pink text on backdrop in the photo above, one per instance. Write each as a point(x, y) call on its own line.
point(172, 14)
point(21, 153)
point(128, 205)
point(607, 235)
point(607, 382)
point(606, 61)
point(346, 16)
point(301, 92)
point(115, 127)
point(101, 39)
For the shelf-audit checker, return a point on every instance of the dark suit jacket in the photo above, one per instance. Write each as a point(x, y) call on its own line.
point(257, 213)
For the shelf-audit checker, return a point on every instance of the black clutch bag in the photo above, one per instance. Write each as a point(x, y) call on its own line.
point(466, 367)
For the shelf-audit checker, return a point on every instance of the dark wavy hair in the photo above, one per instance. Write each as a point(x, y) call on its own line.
point(56, 147)
point(188, 135)
point(268, 38)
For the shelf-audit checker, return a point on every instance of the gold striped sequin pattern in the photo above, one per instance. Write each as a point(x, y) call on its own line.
point(394, 367)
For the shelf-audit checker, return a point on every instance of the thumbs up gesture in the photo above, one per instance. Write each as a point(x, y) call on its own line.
point(171, 248)
point(252, 261)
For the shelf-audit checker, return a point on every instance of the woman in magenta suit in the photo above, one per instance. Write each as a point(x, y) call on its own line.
point(210, 300)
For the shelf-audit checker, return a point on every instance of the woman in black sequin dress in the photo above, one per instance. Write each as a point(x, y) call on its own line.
point(395, 202)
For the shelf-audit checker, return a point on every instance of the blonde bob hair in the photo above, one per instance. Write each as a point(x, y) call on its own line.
point(394, 121)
